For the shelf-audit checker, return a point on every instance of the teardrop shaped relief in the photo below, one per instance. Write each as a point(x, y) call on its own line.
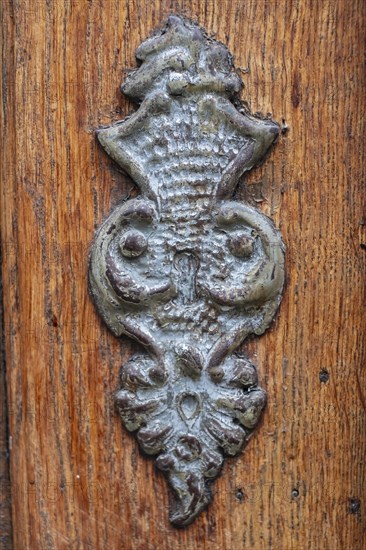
point(189, 406)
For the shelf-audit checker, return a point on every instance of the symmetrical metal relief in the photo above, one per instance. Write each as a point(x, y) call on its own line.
point(183, 269)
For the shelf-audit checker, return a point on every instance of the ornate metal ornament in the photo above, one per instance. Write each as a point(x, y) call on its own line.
point(183, 269)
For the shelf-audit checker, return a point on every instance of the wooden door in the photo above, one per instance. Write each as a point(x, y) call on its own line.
point(77, 479)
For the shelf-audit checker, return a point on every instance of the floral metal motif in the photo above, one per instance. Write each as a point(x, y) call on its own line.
point(183, 269)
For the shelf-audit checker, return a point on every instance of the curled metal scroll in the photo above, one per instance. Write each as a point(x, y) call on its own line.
point(183, 269)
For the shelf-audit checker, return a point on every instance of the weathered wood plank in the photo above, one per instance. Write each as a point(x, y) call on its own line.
point(77, 478)
point(5, 487)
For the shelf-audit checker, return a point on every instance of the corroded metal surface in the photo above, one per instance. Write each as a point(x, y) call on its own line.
point(183, 269)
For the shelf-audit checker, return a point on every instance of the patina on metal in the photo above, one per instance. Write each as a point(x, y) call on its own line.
point(184, 269)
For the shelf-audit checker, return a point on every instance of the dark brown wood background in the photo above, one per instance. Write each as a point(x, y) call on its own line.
point(78, 480)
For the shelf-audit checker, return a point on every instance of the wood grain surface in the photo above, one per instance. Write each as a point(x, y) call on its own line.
point(78, 480)
point(5, 492)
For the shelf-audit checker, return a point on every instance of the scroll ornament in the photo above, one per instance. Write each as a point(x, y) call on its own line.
point(184, 269)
